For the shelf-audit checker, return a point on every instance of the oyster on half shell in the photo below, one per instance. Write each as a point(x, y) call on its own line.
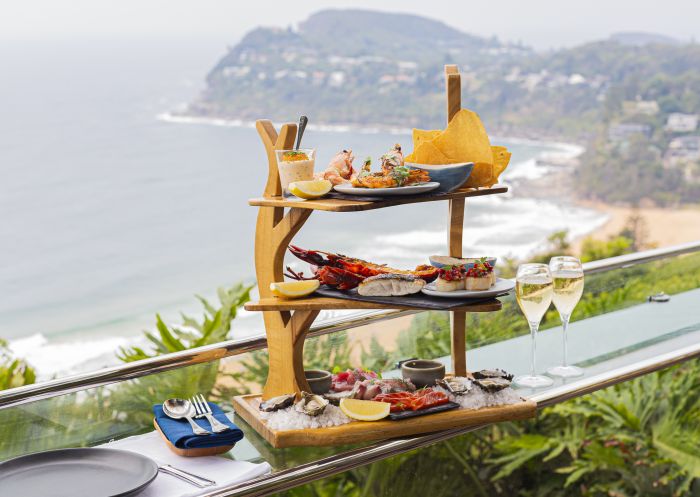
point(493, 384)
point(456, 385)
point(492, 373)
point(277, 403)
point(311, 404)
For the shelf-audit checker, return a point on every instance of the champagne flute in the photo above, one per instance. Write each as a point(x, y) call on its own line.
point(533, 291)
point(567, 273)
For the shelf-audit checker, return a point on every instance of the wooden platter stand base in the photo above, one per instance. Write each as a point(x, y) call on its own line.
point(287, 322)
point(197, 452)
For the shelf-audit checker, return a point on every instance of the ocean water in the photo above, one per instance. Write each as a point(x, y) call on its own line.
point(111, 212)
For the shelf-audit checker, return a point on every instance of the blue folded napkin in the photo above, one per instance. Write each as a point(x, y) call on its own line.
point(179, 431)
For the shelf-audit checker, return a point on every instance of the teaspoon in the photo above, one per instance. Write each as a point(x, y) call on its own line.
point(303, 121)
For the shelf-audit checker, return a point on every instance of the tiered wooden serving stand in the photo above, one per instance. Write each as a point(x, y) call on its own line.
point(287, 321)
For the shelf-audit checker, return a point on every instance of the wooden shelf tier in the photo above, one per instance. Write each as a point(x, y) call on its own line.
point(342, 205)
point(323, 303)
point(247, 407)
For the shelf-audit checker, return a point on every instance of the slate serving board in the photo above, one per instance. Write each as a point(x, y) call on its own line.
point(417, 300)
point(398, 416)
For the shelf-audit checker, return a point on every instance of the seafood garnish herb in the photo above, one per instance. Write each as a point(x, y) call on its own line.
point(366, 165)
point(400, 174)
point(294, 155)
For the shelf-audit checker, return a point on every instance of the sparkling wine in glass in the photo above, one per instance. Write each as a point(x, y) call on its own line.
point(567, 273)
point(533, 291)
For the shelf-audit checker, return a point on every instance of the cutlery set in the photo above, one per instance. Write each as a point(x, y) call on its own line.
point(197, 407)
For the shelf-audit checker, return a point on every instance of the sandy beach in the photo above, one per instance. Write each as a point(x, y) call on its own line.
point(664, 226)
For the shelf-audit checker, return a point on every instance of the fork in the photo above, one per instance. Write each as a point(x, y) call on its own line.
point(203, 410)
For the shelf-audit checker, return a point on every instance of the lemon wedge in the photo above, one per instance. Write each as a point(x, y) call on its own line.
point(365, 410)
point(294, 289)
point(309, 190)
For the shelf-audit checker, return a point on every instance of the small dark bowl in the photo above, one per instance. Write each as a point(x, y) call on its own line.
point(422, 373)
point(319, 380)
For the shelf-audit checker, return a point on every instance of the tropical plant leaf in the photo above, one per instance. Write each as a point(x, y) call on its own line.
point(680, 444)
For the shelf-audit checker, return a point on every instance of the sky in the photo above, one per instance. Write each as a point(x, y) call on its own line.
point(543, 24)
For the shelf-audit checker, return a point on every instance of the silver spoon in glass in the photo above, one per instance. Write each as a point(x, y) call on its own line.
point(303, 121)
point(181, 408)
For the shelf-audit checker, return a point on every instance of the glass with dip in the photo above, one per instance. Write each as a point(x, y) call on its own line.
point(295, 165)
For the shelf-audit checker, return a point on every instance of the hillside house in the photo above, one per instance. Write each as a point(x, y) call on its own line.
point(684, 153)
point(682, 123)
point(641, 107)
point(682, 149)
point(623, 132)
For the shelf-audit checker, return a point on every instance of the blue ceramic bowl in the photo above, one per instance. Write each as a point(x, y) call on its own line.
point(467, 261)
point(450, 176)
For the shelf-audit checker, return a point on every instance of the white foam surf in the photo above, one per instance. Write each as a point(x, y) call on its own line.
point(515, 232)
point(64, 356)
point(51, 358)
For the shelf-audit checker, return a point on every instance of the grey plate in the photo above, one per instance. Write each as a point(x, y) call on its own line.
point(89, 472)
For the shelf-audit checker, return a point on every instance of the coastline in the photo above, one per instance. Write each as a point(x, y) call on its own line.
point(664, 226)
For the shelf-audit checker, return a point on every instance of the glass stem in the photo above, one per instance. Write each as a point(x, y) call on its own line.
point(565, 335)
point(533, 332)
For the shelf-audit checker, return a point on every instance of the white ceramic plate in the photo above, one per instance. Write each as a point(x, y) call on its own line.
point(387, 192)
point(501, 286)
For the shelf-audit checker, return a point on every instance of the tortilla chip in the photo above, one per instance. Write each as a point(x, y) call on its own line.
point(427, 153)
point(465, 139)
point(481, 176)
point(424, 135)
point(501, 158)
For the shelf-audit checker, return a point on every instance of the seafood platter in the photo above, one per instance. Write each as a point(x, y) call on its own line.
point(299, 407)
point(456, 278)
point(359, 405)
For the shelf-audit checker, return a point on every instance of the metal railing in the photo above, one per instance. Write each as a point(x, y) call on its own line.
point(208, 353)
point(324, 468)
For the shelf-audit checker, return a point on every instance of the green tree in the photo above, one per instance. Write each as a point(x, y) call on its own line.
point(593, 250)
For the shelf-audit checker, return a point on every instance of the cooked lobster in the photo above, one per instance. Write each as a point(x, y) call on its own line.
point(345, 272)
point(331, 276)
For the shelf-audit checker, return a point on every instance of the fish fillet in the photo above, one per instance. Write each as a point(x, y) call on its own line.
point(390, 285)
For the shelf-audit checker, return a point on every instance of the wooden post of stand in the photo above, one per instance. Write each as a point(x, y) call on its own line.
point(458, 319)
point(453, 87)
point(274, 230)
